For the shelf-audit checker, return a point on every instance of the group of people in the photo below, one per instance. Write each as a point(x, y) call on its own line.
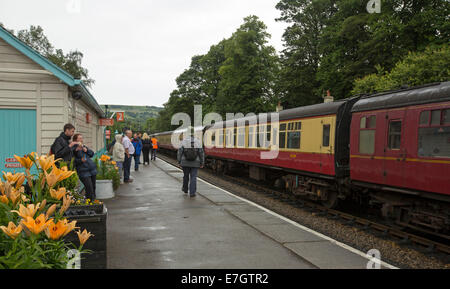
point(70, 146)
point(125, 148)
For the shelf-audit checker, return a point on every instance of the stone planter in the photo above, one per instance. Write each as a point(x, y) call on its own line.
point(104, 189)
point(96, 224)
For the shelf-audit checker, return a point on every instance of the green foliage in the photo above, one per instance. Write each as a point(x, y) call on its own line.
point(108, 171)
point(70, 62)
point(71, 183)
point(329, 43)
point(418, 68)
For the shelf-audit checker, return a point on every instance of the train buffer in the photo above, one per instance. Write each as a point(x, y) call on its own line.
point(152, 225)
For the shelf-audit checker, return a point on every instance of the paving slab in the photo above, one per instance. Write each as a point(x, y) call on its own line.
point(327, 255)
point(287, 233)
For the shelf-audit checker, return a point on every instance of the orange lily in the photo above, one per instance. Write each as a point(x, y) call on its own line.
point(83, 237)
point(70, 227)
point(67, 201)
point(15, 195)
point(104, 158)
point(51, 211)
point(60, 229)
point(20, 181)
point(47, 162)
point(36, 226)
point(12, 178)
point(113, 163)
point(28, 211)
point(58, 194)
point(12, 230)
point(4, 199)
point(2, 187)
point(51, 178)
point(26, 162)
point(62, 173)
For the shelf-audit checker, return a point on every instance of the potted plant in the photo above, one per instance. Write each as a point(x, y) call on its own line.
point(33, 221)
point(108, 178)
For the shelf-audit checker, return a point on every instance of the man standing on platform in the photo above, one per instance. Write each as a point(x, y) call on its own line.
point(191, 157)
point(137, 143)
point(129, 152)
point(62, 147)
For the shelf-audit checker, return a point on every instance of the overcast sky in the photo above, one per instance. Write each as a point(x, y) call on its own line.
point(134, 49)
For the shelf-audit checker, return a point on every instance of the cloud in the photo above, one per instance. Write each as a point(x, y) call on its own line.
point(135, 49)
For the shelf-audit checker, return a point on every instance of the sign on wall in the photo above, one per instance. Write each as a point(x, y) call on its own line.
point(106, 122)
point(120, 116)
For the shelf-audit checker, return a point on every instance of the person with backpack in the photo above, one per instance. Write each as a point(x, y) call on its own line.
point(191, 157)
point(62, 147)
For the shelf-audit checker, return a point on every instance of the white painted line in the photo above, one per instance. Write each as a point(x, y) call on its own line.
point(342, 245)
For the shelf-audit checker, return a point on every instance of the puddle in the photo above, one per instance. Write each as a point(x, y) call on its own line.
point(154, 228)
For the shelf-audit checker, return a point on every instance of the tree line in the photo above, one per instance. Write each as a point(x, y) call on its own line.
point(331, 45)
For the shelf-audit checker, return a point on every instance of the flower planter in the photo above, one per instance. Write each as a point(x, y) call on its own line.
point(104, 189)
point(98, 209)
point(96, 224)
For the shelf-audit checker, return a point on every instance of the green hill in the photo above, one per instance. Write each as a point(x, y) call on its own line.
point(135, 113)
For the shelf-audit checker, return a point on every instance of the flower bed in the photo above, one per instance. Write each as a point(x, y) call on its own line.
point(34, 223)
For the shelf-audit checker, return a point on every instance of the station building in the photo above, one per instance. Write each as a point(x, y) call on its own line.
point(37, 98)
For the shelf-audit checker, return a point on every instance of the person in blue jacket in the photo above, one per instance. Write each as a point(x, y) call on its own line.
point(85, 166)
point(137, 143)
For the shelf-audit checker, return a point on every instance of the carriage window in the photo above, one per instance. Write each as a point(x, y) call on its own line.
point(241, 137)
point(436, 117)
point(235, 137)
point(250, 136)
point(293, 140)
point(213, 138)
point(221, 138)
point(268, 136)
point(282, 136)
point(368, 125)
point(260, 136)
point(446, 116)
point(425, 118)
point(326, 135)
point(395, 135)
point(434, 138)
point(274, 135)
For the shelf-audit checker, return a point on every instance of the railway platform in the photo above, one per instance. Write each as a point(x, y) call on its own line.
point(153, 225)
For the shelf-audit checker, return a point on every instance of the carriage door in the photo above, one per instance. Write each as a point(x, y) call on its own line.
point(395, 148)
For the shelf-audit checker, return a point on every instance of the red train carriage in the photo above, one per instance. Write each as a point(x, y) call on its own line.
point(400, 149)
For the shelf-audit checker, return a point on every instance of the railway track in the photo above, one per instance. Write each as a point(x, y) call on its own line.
point(401, 236)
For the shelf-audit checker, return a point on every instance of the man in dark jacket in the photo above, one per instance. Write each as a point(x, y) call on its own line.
point(62, 148)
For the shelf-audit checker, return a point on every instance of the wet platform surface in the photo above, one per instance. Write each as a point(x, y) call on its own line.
point(153, 225)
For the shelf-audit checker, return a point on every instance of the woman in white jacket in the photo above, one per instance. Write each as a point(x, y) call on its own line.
point(119, 155)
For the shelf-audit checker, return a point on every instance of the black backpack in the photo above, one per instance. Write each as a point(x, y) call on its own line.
point(190, 153)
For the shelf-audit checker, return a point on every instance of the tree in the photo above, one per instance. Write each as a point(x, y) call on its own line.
point(432, 65)
point(70, 62)
point(249, 71)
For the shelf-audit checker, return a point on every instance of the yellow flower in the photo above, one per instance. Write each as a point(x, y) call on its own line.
point(113, 163)
point(58, 194)
point(12, 230)
point(28, 211)
point(83, 237)
point(70, 227)
point(36, 226)
point(2, 187)
point(105, 158)
point(26, 162)
point(52, 178)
